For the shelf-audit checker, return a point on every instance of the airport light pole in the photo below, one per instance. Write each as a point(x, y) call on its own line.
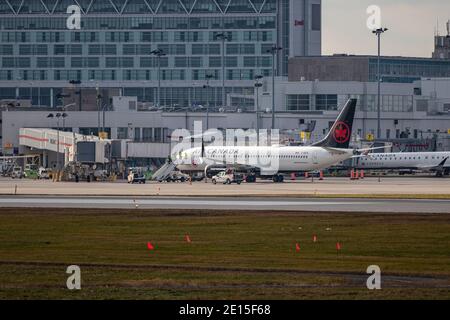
point(158, 53)
point(31, 93)
point(61, 97)
point(274, 51)
point(104, 118)
point(206, 87)
point(77, 82)
point(222, 36)
point(64, 116)
point(258, 85)
point(378, 32)
point(98, 97)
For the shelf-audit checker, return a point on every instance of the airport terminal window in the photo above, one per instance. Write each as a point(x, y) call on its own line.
point(196, 62)
point(231, 62)
point(119, 36)
point(85, 37)
point(326, 102)
point(122, 133)
point(232, 49)
point(316, 17)
point(137, 134)
point(27, 50)
point(6, 75)
point(422, 105)
point(158, 134)
point(8, 62)
point(6, 50)
point(233, 75)
point(7, 93)
point(249, 62)
point(20, 62)
point(297, 102)
point(147, 134)
point(247, 74)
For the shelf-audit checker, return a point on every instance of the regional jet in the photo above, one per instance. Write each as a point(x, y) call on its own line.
point(407, 162)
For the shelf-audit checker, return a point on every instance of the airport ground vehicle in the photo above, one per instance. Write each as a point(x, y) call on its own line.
point(177, 176)
point(101, 175)
point(198, 176)
point(43, 173)
point(227, 178)
point(136, 178)
point(17, 173)
point(31, 171)
point(7, 169)
point(250, 177)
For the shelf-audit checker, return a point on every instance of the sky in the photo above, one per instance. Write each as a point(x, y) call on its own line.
point(411, 24)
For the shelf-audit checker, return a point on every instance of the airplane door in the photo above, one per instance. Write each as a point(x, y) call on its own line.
point(315, 158)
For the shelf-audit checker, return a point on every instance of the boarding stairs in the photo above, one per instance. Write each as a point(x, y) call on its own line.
point(164, 172)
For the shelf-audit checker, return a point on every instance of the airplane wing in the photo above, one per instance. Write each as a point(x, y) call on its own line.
point(334, 150)
point(364, 152)
point(369, 149)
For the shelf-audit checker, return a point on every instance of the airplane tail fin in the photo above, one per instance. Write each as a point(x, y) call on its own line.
point(443, 162)
point(341, 131)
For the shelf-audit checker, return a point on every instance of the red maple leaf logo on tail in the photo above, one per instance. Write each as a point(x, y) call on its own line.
point(341, 133)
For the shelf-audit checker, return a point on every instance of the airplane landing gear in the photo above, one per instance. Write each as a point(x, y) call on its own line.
point(278, 178)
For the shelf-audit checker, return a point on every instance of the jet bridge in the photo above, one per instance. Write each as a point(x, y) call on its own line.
point(47, 140)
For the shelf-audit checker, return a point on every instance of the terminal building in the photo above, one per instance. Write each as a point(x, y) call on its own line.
point(223, 44)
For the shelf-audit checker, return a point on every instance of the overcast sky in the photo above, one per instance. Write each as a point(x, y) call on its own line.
point(411, 24)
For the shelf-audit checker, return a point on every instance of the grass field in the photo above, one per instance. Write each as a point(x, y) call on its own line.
point(233, 255)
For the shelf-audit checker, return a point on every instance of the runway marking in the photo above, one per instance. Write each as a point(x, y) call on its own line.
point(342, 205)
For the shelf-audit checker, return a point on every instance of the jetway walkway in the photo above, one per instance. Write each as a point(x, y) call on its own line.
point(47, 139)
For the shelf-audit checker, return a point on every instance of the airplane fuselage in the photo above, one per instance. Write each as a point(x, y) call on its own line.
point(280, 159)
point(406, 160)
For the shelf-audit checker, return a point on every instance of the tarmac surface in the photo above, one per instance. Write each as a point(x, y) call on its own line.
point(329, 186)
point(331, 194)
point(232, 203)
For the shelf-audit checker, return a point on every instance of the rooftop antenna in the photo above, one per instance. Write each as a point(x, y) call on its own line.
point(437, 27)
point(448, 28)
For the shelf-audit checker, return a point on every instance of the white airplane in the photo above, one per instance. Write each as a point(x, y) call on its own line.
point(407, 162)
point(274, 161)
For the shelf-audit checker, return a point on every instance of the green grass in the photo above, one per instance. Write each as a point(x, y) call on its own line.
point(233, 255)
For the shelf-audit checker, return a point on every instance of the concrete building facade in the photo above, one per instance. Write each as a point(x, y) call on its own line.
point(364, 68)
